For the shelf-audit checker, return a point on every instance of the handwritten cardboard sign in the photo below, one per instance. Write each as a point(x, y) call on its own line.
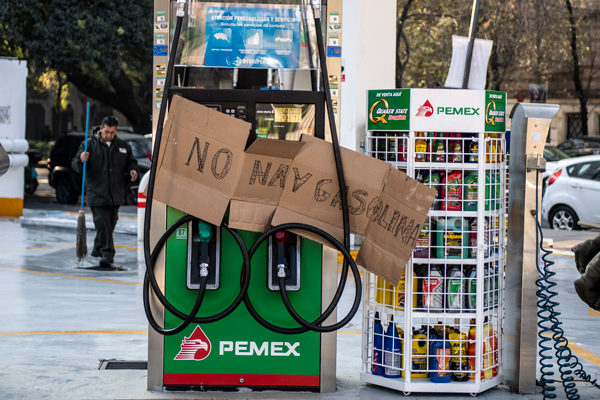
point(203, 169)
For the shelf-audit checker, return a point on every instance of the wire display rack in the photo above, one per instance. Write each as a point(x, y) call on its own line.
point(440, 329)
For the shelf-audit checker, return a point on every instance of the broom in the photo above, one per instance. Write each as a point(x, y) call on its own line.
point(81, 231)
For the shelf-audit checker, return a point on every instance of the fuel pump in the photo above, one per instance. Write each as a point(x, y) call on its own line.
point(214, 347)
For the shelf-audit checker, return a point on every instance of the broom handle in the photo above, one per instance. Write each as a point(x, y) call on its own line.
point(87, 125)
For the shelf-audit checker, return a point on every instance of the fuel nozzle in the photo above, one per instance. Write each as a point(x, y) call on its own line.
point(205, 234)
point(281, 238)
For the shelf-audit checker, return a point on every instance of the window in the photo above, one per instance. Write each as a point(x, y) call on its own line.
point(589, 170)
point(574, 125)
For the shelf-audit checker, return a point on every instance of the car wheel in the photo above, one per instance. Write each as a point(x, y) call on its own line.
point(564, 218)
point(65, 193)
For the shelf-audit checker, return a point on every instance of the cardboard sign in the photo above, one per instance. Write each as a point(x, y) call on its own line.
point(203, 169)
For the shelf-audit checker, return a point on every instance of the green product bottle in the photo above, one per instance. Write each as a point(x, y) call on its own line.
point(451, 239)
point(470, 192)
point(433, 180)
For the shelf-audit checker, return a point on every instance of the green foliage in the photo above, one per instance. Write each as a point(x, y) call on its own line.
point(104, 47)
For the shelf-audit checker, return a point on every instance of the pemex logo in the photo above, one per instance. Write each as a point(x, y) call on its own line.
point(196, 347)
point(382, 119)
point(426, 110)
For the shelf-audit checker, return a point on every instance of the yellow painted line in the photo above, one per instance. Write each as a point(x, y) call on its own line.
point(353, 253)
point(593, 313)
point(350, 332)
point(580, 351)
point(73, 333)
point(70, 276)
point(563, 253)
point(127, 247)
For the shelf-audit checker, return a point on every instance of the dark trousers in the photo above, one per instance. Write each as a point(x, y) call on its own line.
point(105, 220)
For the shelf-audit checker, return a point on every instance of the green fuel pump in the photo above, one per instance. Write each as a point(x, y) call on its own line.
point(278, 340)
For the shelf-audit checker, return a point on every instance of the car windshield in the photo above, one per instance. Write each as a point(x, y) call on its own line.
point(552, 153)
point(140, 147)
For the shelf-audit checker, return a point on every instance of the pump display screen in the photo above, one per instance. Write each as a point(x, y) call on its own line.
point(284, 121)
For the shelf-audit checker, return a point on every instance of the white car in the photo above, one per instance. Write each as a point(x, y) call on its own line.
point(573, 193)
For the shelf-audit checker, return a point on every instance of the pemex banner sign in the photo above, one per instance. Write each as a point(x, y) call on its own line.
point(436, 110)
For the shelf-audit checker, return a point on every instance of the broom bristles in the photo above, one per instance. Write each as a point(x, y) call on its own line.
point(81, 236)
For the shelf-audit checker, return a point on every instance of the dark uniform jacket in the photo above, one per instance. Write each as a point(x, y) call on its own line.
point(587, 260)
point(107, 170)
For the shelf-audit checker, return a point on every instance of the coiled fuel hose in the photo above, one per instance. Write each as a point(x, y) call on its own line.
point(150, 282)
point(549, 325)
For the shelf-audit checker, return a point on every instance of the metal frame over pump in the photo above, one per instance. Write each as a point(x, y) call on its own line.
point(202, 336)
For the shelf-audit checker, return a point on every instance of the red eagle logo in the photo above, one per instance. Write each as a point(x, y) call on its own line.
point(426, 110)
point(196, 347)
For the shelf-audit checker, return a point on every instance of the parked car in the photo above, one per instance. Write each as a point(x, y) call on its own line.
point(554, 157)
point(67, 183)
point(581, 146)
point(572, 193)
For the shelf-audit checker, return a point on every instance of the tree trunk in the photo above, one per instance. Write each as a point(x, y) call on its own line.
point(400, 36)
point(579, 92)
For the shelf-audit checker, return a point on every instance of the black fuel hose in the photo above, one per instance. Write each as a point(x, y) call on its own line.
point(316, 324)
point(150, 258)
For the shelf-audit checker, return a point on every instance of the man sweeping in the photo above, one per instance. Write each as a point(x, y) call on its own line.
point(109, 162)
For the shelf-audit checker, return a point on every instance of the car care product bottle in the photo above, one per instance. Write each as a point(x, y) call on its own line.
point(473, 238)
point(420, 147)
point(486, 371)
point(451, 194)
point(384, 292)
point(377, 365)
point(457, 149)
point(473, 150)
point(456, 290)
point(471, 351)
point(494, 341)
point(391, 147)
point(423, 242)
point(440, 353)
point(433, 180)
point(433, 290)
point(439, 148)
point(460, 347)
point(402, 148)
point(470, 191)
point(400, 302)
point(392, 350)
point(419, 349)
point(451, 238)
point(471, 283)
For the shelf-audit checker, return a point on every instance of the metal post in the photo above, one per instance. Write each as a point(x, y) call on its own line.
point(472, 31)
point(530, 125)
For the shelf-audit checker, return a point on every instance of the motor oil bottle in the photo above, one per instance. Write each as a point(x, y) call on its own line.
point(420, 147)
point(471, 351)
point(377, 365)
point(473, 150)
point(473, 248)
point(402, 148)
point(486, 371)
point(460, 347)
point(433, 180)
point(471, 283)
point(456, 290)
point(419, 349)
point(391, 148)
point(384, 292)
point(423, 242)
point(451, 238)
point(451, 194)
point(440, 353)
point(400, 302)
point(470, 191)
point(392, 350)
point(433, 290)
point(457, 149)
point(494, 341)
point(439, 148)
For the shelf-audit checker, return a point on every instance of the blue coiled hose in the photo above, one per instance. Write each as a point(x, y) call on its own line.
point(550, 327)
